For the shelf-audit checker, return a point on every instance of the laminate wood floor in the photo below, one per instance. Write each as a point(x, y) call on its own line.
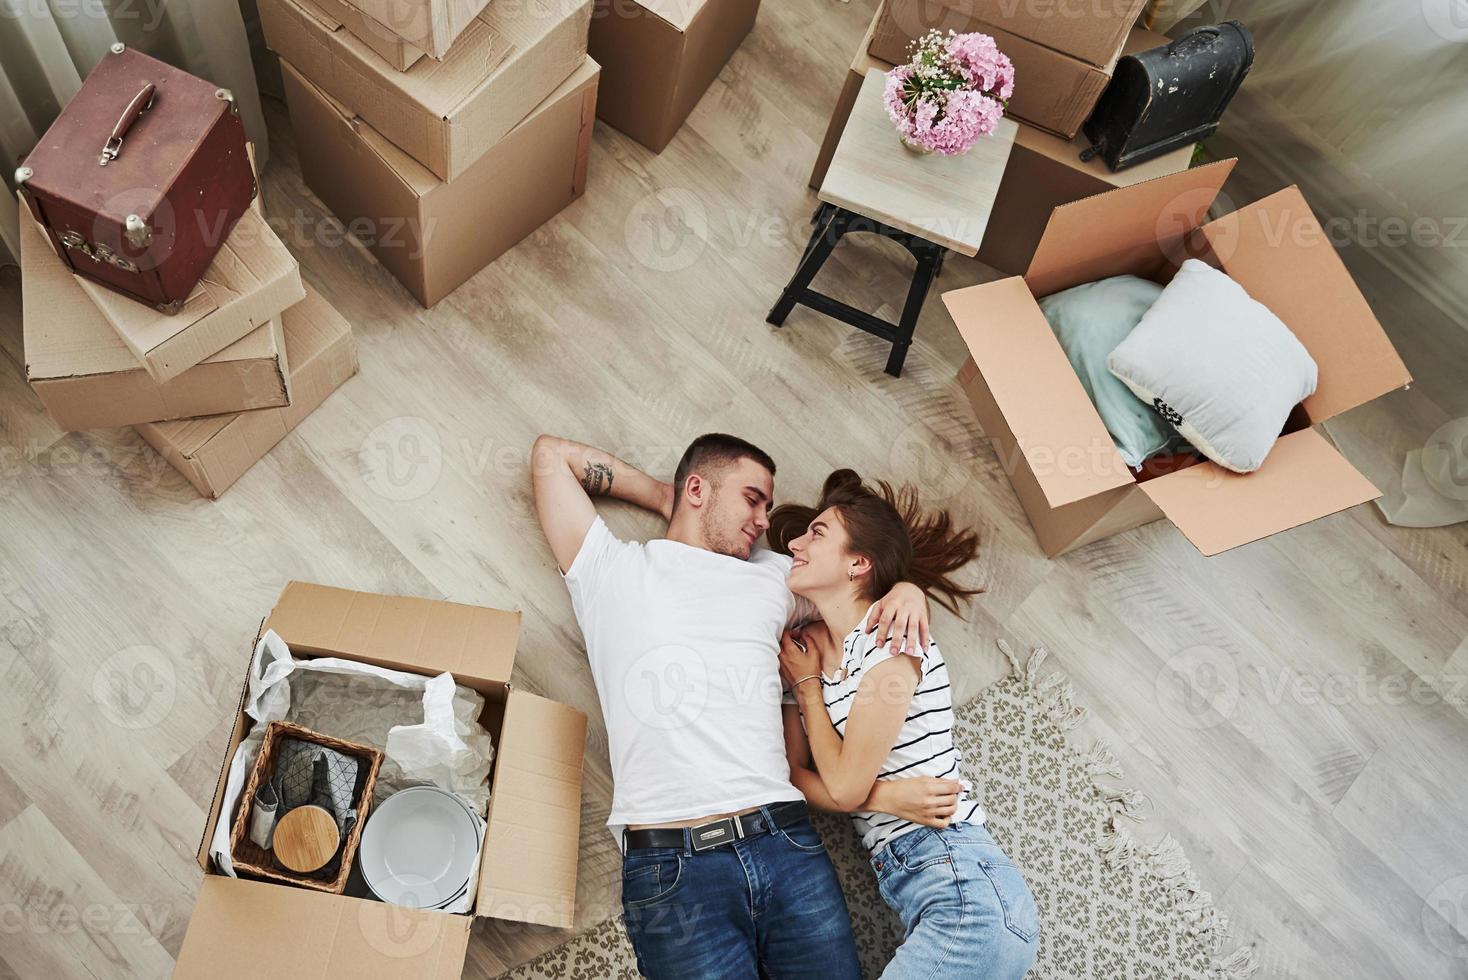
point(1295, 708)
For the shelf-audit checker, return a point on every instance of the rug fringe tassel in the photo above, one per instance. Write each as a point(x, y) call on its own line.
point(1238, 965)
point(1164, 859)
point(1058, 697)
point(1015, 667)
point(1118, 847)
point(1101, 761)
point(1130, 803)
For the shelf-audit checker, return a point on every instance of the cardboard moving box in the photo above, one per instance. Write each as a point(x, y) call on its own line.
point(1064, 467)
point(446, 114)
point(1088, 30)
point(88, 379)
point(252, 279)
point(434, 234)
point(250, 929)
point(1052, 90)
point(658, 57)
point(428, 26)
point(383, 41)
point(1044, 171)
point(212, 453)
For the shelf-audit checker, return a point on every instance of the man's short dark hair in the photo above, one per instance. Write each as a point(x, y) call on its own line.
point(710, 453)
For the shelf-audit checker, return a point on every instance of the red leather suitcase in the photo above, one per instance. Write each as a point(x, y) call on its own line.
point(141, 178)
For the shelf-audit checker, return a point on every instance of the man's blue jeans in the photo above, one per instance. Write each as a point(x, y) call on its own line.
point(767, 905)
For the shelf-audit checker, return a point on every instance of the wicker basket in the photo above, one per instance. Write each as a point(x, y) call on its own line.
point(250, 858)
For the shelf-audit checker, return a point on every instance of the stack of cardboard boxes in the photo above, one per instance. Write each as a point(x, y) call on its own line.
point(440, 132)
point(1044, 170)
point(213, 387)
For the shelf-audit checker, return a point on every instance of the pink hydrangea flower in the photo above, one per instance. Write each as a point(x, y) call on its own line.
point(951, 93)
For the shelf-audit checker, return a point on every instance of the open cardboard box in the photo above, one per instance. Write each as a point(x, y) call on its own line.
point(251, 929)
point(1065, 470)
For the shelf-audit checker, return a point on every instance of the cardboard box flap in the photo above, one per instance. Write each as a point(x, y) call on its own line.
point(1137, 229)
point(1303, 478)
point(245, 930)
point(252, 278)
point(73, 339)
point(677, 13)
point(321, 15)
point(415, 177)
point(528, 869)
point(1064, 442)
point(473, 642)
point(310, 329)
point(1278, 252)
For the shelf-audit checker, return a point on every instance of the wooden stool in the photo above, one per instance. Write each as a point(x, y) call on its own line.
point(926, 203)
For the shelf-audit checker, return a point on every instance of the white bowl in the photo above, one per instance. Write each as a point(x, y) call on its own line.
point(419, 847)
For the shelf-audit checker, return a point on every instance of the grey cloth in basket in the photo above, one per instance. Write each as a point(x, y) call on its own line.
point(309, 773)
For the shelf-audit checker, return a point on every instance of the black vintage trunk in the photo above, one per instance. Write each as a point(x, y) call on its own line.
point(1171, 96)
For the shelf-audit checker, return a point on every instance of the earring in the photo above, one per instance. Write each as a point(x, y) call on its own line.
point(850, 575)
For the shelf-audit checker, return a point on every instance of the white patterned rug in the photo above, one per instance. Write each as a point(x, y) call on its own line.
point(1111, 908)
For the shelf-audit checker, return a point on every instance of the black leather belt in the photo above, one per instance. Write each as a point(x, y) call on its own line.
point(717, 833)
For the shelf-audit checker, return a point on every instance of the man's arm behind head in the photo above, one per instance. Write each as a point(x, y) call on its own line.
point(566, 476)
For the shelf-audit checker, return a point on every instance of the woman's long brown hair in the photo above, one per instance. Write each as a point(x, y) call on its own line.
point(890, 529)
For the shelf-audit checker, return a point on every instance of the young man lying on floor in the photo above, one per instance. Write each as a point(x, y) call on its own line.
point(723, 874)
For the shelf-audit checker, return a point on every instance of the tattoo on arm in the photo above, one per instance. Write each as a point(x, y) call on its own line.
point(597, 480)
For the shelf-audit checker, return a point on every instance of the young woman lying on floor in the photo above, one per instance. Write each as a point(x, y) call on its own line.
point(863, 713)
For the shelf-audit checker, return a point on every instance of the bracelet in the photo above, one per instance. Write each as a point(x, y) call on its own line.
point(807, 677)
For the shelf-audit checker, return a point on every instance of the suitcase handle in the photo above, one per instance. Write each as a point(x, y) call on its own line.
point(140, 104)
point(1196, 40)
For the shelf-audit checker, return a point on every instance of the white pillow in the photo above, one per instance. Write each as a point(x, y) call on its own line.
point(1218, 365)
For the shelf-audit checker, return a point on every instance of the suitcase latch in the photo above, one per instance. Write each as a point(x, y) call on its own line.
point(98, 252)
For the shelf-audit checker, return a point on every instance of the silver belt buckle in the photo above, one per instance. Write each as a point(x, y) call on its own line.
point(708, 836)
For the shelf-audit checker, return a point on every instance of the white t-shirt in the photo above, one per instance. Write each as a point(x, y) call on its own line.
point(684, 647)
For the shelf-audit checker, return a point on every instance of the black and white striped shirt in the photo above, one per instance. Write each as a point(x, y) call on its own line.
point(925, 745)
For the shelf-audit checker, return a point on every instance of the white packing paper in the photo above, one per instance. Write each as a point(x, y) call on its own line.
point(427, 727)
